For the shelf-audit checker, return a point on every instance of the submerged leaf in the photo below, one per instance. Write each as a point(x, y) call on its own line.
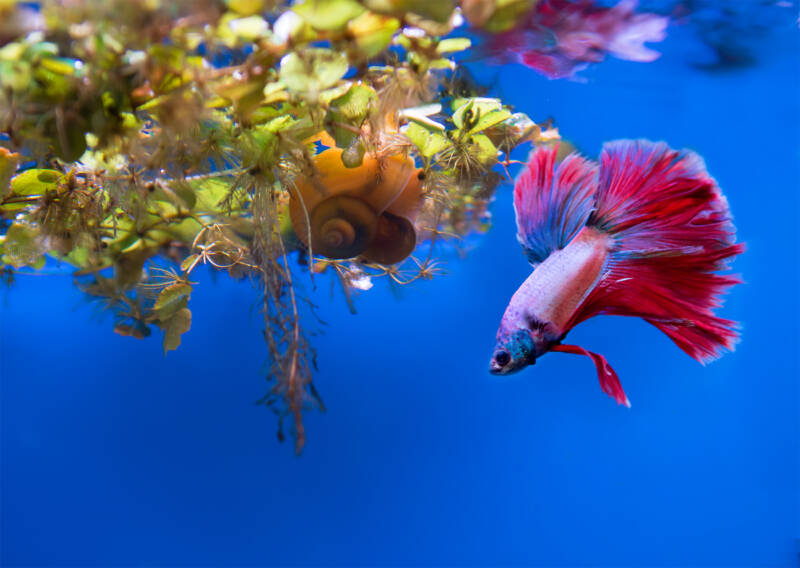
point(189, 262)
point(170, 296)
point(177, 325)
point(138, 330)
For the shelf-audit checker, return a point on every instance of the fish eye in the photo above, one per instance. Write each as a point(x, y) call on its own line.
point(502, 358)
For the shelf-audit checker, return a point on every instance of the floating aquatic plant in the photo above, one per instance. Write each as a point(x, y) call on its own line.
point(141, 139)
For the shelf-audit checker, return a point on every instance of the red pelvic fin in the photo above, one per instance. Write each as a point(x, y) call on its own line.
point(672, 232)
point(609, 381)
point(552, 203)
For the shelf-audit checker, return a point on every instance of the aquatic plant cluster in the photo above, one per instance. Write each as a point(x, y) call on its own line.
point(141, 139)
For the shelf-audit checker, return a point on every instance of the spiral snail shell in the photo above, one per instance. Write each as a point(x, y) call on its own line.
point(342, 226)
point(364, 211)
point(395, 239)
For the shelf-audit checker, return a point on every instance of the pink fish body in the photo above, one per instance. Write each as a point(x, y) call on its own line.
point(556, 288)
point(643, 234)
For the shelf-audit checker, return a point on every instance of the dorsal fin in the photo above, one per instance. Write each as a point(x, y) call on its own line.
point(552, 203)
point(672, 232)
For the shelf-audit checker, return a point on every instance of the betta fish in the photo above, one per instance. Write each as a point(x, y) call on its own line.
point(643, 233)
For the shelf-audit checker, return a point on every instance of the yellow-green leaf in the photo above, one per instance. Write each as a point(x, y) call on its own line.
point(487, 151)
point(312, 70)
point(429, 142)
point(189, 262)
point(246, 7)
point(35, 182)
point(453, 44)
point(372, 32)
point(172, 294)
point(328, 14)
point(61, 65)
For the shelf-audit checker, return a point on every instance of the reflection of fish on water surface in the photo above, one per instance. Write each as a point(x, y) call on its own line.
point(558, 38)
point(641, 234)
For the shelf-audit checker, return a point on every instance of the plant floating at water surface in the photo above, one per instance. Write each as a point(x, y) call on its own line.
point(142, 139)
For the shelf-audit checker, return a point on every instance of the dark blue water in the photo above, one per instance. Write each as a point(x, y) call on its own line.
point(115, 455)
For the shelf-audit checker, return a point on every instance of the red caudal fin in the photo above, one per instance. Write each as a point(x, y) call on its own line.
point(552, 202)
point(609, 381)
point(672, 233)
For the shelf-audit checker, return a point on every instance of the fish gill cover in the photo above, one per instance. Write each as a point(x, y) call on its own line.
point(142, 139)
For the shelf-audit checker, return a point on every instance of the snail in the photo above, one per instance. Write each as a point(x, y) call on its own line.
point(367, 211)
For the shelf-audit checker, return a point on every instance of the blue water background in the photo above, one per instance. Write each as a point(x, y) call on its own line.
point(115, 455)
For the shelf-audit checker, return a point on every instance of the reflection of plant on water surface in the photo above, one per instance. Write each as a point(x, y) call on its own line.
point(141, 139)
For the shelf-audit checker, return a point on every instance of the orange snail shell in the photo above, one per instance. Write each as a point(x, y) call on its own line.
point(336, 200)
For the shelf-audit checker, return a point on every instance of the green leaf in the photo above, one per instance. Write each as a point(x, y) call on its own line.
point(429, 142)
point(453, 44)
point(354, 105)
point(36, 182)
point(61, 65)
point(169, 297)
point(442, 63)
point(487, 151)
point(372, 33)
point(507, 14)
point(436, 10)
point(78, 256)
point(177, 325)
point(275, 92)
point(210, 192)
point(245, 7)
point(489, 119)
point(249, 28)
point(470, 110)
point(349, 109)
point(312, 70)
point(463, 111)
point(328, 15)
point(188, 262)
point(279, 123)
point(22, 246)
point(128, 266)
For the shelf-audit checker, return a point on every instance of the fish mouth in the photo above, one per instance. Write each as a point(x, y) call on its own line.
point(496, 368)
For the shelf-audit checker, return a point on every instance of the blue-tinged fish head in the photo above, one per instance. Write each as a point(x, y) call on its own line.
point(513, 352)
